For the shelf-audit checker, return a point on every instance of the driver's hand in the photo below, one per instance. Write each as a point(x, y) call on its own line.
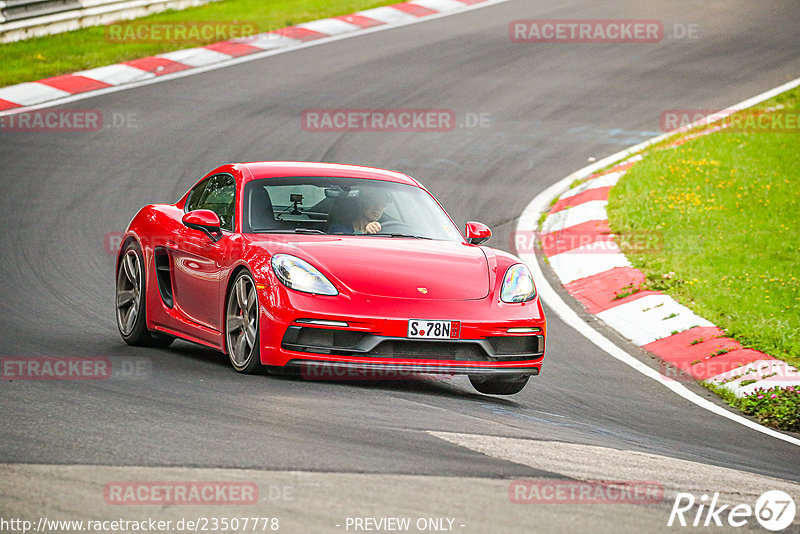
point(373, 228)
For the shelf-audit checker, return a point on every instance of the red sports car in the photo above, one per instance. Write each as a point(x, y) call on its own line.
point(286, 265)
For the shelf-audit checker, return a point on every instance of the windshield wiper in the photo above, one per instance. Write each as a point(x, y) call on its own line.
point(411, 236)
point(291, 231)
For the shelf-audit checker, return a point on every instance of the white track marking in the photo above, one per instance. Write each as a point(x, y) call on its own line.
point(606, 180)
point(267, 41)
point(329, 26)
point(196, 57)
point(116, 74)
point(587, 260)
point(387, 14)
point(594, 210)
point(439, 5)
point(766, 373)
point(650, 318)
point(30, 93)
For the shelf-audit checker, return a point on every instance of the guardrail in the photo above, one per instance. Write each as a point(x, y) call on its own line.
point(22, 19)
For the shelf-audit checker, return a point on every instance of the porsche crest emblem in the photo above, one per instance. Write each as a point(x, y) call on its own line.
point(423, 290)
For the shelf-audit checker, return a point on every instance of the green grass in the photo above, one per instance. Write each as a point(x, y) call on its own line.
point(776, 407)
point(87, 48)
point(727, 208)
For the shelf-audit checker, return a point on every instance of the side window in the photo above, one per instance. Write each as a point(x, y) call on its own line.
point(195, 196)
point(217, 194)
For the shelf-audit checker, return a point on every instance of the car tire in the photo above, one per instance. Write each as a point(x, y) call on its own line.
point(499, 385)
point(242, 325)
point(131, 300)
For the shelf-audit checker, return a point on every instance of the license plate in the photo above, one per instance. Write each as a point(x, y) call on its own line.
point(426, 329)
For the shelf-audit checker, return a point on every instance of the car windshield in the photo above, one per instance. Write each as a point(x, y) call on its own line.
point(343, 206)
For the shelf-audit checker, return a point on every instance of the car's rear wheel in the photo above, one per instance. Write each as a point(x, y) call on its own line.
point(241, 325)
point(499, 385)
point(131, 302)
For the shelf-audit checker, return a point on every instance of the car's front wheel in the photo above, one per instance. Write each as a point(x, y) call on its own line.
point(131, 292)
point(241, 325)
point(499, 385)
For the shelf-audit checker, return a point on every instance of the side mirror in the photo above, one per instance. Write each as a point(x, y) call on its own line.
point(206, 221)
point(477, 233)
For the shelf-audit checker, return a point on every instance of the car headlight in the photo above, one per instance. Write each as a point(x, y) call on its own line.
point(300, 275)
point(518, 284)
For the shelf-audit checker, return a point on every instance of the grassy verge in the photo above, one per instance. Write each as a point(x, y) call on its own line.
point(87, 48)
point(776, 407)
point(724, 211)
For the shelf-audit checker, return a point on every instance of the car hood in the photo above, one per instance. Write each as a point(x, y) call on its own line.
point(397, 267)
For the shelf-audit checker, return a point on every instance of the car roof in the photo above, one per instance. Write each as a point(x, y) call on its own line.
point(272, 169)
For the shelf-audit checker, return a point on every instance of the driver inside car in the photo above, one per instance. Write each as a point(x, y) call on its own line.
point(364, 215)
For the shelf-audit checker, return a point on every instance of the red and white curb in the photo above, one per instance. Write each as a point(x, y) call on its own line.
point(16, 97)
point(580, 248)
point(595, 272)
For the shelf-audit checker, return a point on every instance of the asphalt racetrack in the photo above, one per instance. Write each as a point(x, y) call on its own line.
point(322, 452)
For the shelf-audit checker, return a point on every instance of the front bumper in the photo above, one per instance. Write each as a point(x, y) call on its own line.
point(341, 342)
point(292, 335)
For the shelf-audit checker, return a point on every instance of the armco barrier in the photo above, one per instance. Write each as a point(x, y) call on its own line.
point(22, 19)
point(26, 9)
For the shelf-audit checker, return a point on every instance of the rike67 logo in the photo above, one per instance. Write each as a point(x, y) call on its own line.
point(774, 510)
